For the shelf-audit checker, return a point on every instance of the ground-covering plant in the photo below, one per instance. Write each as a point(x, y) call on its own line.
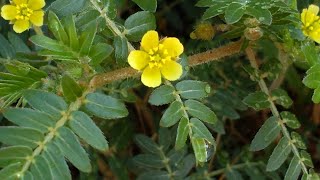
point(159, 89)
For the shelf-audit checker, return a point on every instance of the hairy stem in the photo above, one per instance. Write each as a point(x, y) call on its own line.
point(251, 56)
point(194, 60)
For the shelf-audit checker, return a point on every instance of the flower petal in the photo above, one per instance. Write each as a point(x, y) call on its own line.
point(173, 46)
point(36, 4)
point(17, 2)
point(151, 77)
point(8, 12)
point(150, 40)
point(138, 59)
point(21, 25)
point(37, 18)
point(171, 70)
point(313, 9)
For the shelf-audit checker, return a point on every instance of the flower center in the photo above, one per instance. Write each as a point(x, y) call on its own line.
point(158, 56)
point(23, 12)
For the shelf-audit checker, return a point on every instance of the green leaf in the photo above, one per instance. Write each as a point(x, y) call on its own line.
point(138, 24)
point(190, 89)
point(306, 159)
point(205, 3)
point(100, 52)
point(70, 28)
point(199, 147)
point(48, 43)
point(86, 129)
point(182, 133)
point(121, 48)
point(266, 134)
point(14, 154)
point(262, 15)
point(315, 68)
point(40, 168)
point(312, 80)
point(118, 167)
point(257, 100)
point(316, 95)
point(147, 5)
point(71, 89)
point(185, 166)
point(310, 53)
point(13, 135)
point(162, 95)
point(234, 12)
point(146, 144)
point(233, 174)
point(67, 7)
point(86, 40)
point(172, 115)
point(46, 102)
point(281, 97)
point(11, 171)
point(27, 176)
point(290, 119)
point(297, 140)
point(56, 28)
point(29, 118)
point(71, 148)
point(201, 131)
point(105, 107)
point(18, 44)
point(294, 169)
point(147, 161)
point(215, 10)
point(200, 111)
point(279, 154)
point(155, 175)
point(56, 162)
point(6, 49)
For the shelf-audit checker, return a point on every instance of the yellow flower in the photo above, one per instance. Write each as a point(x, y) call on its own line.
point(156, 59)
point(311, 22)
point(23, 13)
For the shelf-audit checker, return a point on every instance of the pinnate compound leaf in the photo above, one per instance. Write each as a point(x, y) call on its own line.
point(266, 134)
point(172, 115)
point(147, 5)
point(86, 129)
point(262, 15)
point(71, 148)
point(306, 158)
point(279, 154)
point(46, 102)
point(40, 168)
point(105, 106)
point(281, 97)
point(71, 89)
point(10, 172)
point(215, 10)
point(233, 174)
point(13, 135)
point(154, 175)
point(190, 89)
point(70, 28)
point(48, 43)
point(312, 80)
point(56, 28)
point(200, 111)
point(294, 169)
point(297, 140)
point(257, 100)
point(146, 144)
point(67, 7)
point(100, 52)
point(56, 162)
point(120, 48)
point(138, 24)
point(26, 117)
point(201, 131)
point(290, 119)
point(86, 40)
point(147, 161)
point(162, 95)
point(14, 154)
point(234, 12)
point(200, 149)
point(182, 133)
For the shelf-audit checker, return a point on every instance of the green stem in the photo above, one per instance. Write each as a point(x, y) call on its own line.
point(273, 108)
point(113, 27)
point(38, 30)
point(166, 160)
point(238, 166)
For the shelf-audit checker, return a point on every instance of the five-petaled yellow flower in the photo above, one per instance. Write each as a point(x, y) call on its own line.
point(311, 22)
point(157, 58)
point(23, 13)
